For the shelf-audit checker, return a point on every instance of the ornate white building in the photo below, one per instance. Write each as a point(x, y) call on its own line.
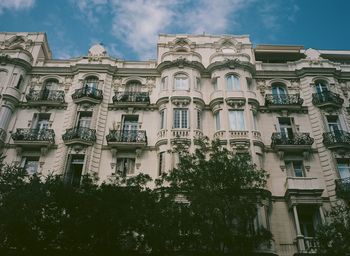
point(287, 106)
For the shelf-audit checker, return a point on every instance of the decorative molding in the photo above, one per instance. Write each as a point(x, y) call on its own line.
point(236, 103)
point(180, 101)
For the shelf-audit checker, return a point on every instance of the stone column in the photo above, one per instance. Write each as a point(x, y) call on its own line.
point(300, 237)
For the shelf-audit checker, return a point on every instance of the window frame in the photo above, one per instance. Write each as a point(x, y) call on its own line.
point(183, 77)
point(183, 118)
point(26, 159)
point(161, 163)
point(126, 161)
point(162, 114)
point(217, 120)
point(236, 121)
point(235, 83)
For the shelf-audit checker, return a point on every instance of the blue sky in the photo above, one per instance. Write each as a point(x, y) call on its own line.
point(129, 28)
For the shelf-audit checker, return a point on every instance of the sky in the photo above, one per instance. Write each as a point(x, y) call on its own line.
point(129, 29)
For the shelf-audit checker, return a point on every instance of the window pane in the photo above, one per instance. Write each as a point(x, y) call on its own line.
point(217, 120)
point(233, 83)
point(162, 119)
point(236, 119)
point(161, 166)
point(176, 123)
point(199, 119)
point(298, 169)
point(181, 83)
point(184, 118)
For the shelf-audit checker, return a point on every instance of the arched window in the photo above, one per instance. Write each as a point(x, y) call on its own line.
point(181, 82)
point(232, 83)
point(91, 82)
point(279, 89)
point(321, 86)
point(133, 86)
point(51, 84)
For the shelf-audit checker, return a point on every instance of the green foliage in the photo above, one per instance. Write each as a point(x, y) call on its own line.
point(205, 206)
point(333, 238)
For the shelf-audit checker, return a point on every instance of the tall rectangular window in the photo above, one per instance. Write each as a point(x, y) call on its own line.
point(295, 168)
point(162, 119)
point(232, 82)
point(181, 82)
point(161, 163)
point(74, 169)
point(30, 164)
point(180, 118)
point(236, 118)
point(198, 83)
point(126, 165)
point(215, 83)
point(255, 125)
point(84, 120)
point(217, 120)
point(199, 119)
point(343, 168)
point(164, 83)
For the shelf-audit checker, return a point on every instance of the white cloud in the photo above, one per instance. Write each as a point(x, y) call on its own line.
point(15, 5)
point(137, 23)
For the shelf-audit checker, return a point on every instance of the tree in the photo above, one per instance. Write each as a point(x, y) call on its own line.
point(218, 193)
point(333, 238)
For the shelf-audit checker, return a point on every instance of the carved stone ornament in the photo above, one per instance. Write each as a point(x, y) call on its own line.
point(344, 87)
point(181, 62)
point(68, 81)
point(235, 103)
point(117, 83)
point(150, 83)
point(181, 101)
point(97, 52)
point(261, 85)
point(4, 58)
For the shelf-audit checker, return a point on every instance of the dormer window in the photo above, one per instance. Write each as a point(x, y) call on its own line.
point(181, 82)
point(232, 83)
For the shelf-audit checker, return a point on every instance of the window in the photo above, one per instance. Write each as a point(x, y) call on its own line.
point(278, 90)
point(130, 127)
point(215, 83)
point(84, 119)
point(286, 127)
point(180, 118)
point(236, 120)
point(51, 85)
point(232, 83)
point(321, 86)
point(198, 83)
point(91, 83)
point(181, 82)
point(41, 121)
point(309, 219)
point(164, 83)
point(217, 120)
point(133, 86)
point(19, 83)
point(126, 165)
point(343, 168)
point(295, 168)
point(30, 164)
point(255, 125)
point(333, 123)
point(199, 119)
point(74, 169)
point(162, 119)
point(161, 163)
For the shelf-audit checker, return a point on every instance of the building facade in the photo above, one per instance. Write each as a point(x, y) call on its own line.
point(285, 105)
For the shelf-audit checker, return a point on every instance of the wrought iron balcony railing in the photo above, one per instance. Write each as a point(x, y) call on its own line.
point(80, 133)
point(45, 95)
point(34, 135)
point(342, 188)
point(125, 97)
point(284, 99)
point(327, 97)
point(279, 138)
point(130, 136)
point(335, 138)
point(88, 92)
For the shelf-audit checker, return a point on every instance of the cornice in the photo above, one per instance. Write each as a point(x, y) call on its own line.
point(181, 63)
point(231, 64)
point(5, 58)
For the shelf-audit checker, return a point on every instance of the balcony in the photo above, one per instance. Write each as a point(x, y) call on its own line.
point(296, 142)
point(342, 188)
point(283, 102)
point(33, 137)
point(45, 97)
point(327, 100)
point(131, 99)
point(87, 95)
point(131, 139)
point(303, 190)
point(337, 140)
point(79, 135)
point(306, 246)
